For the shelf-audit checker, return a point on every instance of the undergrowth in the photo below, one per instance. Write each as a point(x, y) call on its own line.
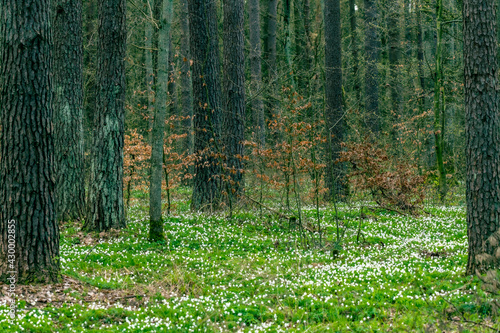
point(252, 273)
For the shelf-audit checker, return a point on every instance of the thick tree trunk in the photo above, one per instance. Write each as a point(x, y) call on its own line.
point(105, 200)
point(482, 125)
point(335, 121)
point(372, 46)
point(156, 221)
point(256, 73)
point(234, 96)
point(68, 109)
point(89, 73)
point(207, 102)
point(29, 234)
point(186, 82)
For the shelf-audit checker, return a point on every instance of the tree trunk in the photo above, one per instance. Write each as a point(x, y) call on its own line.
point(482, 125)
point(288, 42)
point(301, 53)
point(372, 46)
point(148, 56)
point(186, 81)
point(156, 221)
point(256, 73)
point(439, 104)
point(271, 57)
point(354, 51)
point(394, 37)
point(68, 109)
point(207, 102)
point(29, 234)
point(89, 73)
point(334, 118)
point(105, 199)
point(234, 95)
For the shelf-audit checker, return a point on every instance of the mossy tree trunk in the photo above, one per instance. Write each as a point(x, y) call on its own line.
point(156, 221)
point(105, 209)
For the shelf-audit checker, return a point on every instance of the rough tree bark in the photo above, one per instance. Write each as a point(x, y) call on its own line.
point(234, 96)
point(482, 125)
point(372, 46)
point(256, 73)
point(207, 102)
point(155, 216)
point(29, 234)
point(334, 117)
point(105, 208)
point(68, 108)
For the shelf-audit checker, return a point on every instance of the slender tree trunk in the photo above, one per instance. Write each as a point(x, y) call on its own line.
point(29, 234)
point(288, 41)
point(394, 36)
point(439, 103)
point(234, 95)
point(186, 81)
point(335, 121)
point(354, 50)
point(207, 102)
point(420, 55)
point(156, 221)
point(271, 57)
point(105, 199)
point(256, 73)
point(301, 37)
point(482, 126)
point(148, 55)
point(68, 109)
point(372, 46)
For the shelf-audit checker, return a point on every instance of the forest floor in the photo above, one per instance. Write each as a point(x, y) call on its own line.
point(252, 273)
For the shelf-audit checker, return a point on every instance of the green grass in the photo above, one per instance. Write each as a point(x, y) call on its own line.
point(252, 274)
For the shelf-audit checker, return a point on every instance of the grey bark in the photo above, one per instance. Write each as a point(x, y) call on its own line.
point(155, 215)
point(148, 56)
point(256, 73)
point(105, 209)
point(372, 46)
point(68, 109)
point(334, 117)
